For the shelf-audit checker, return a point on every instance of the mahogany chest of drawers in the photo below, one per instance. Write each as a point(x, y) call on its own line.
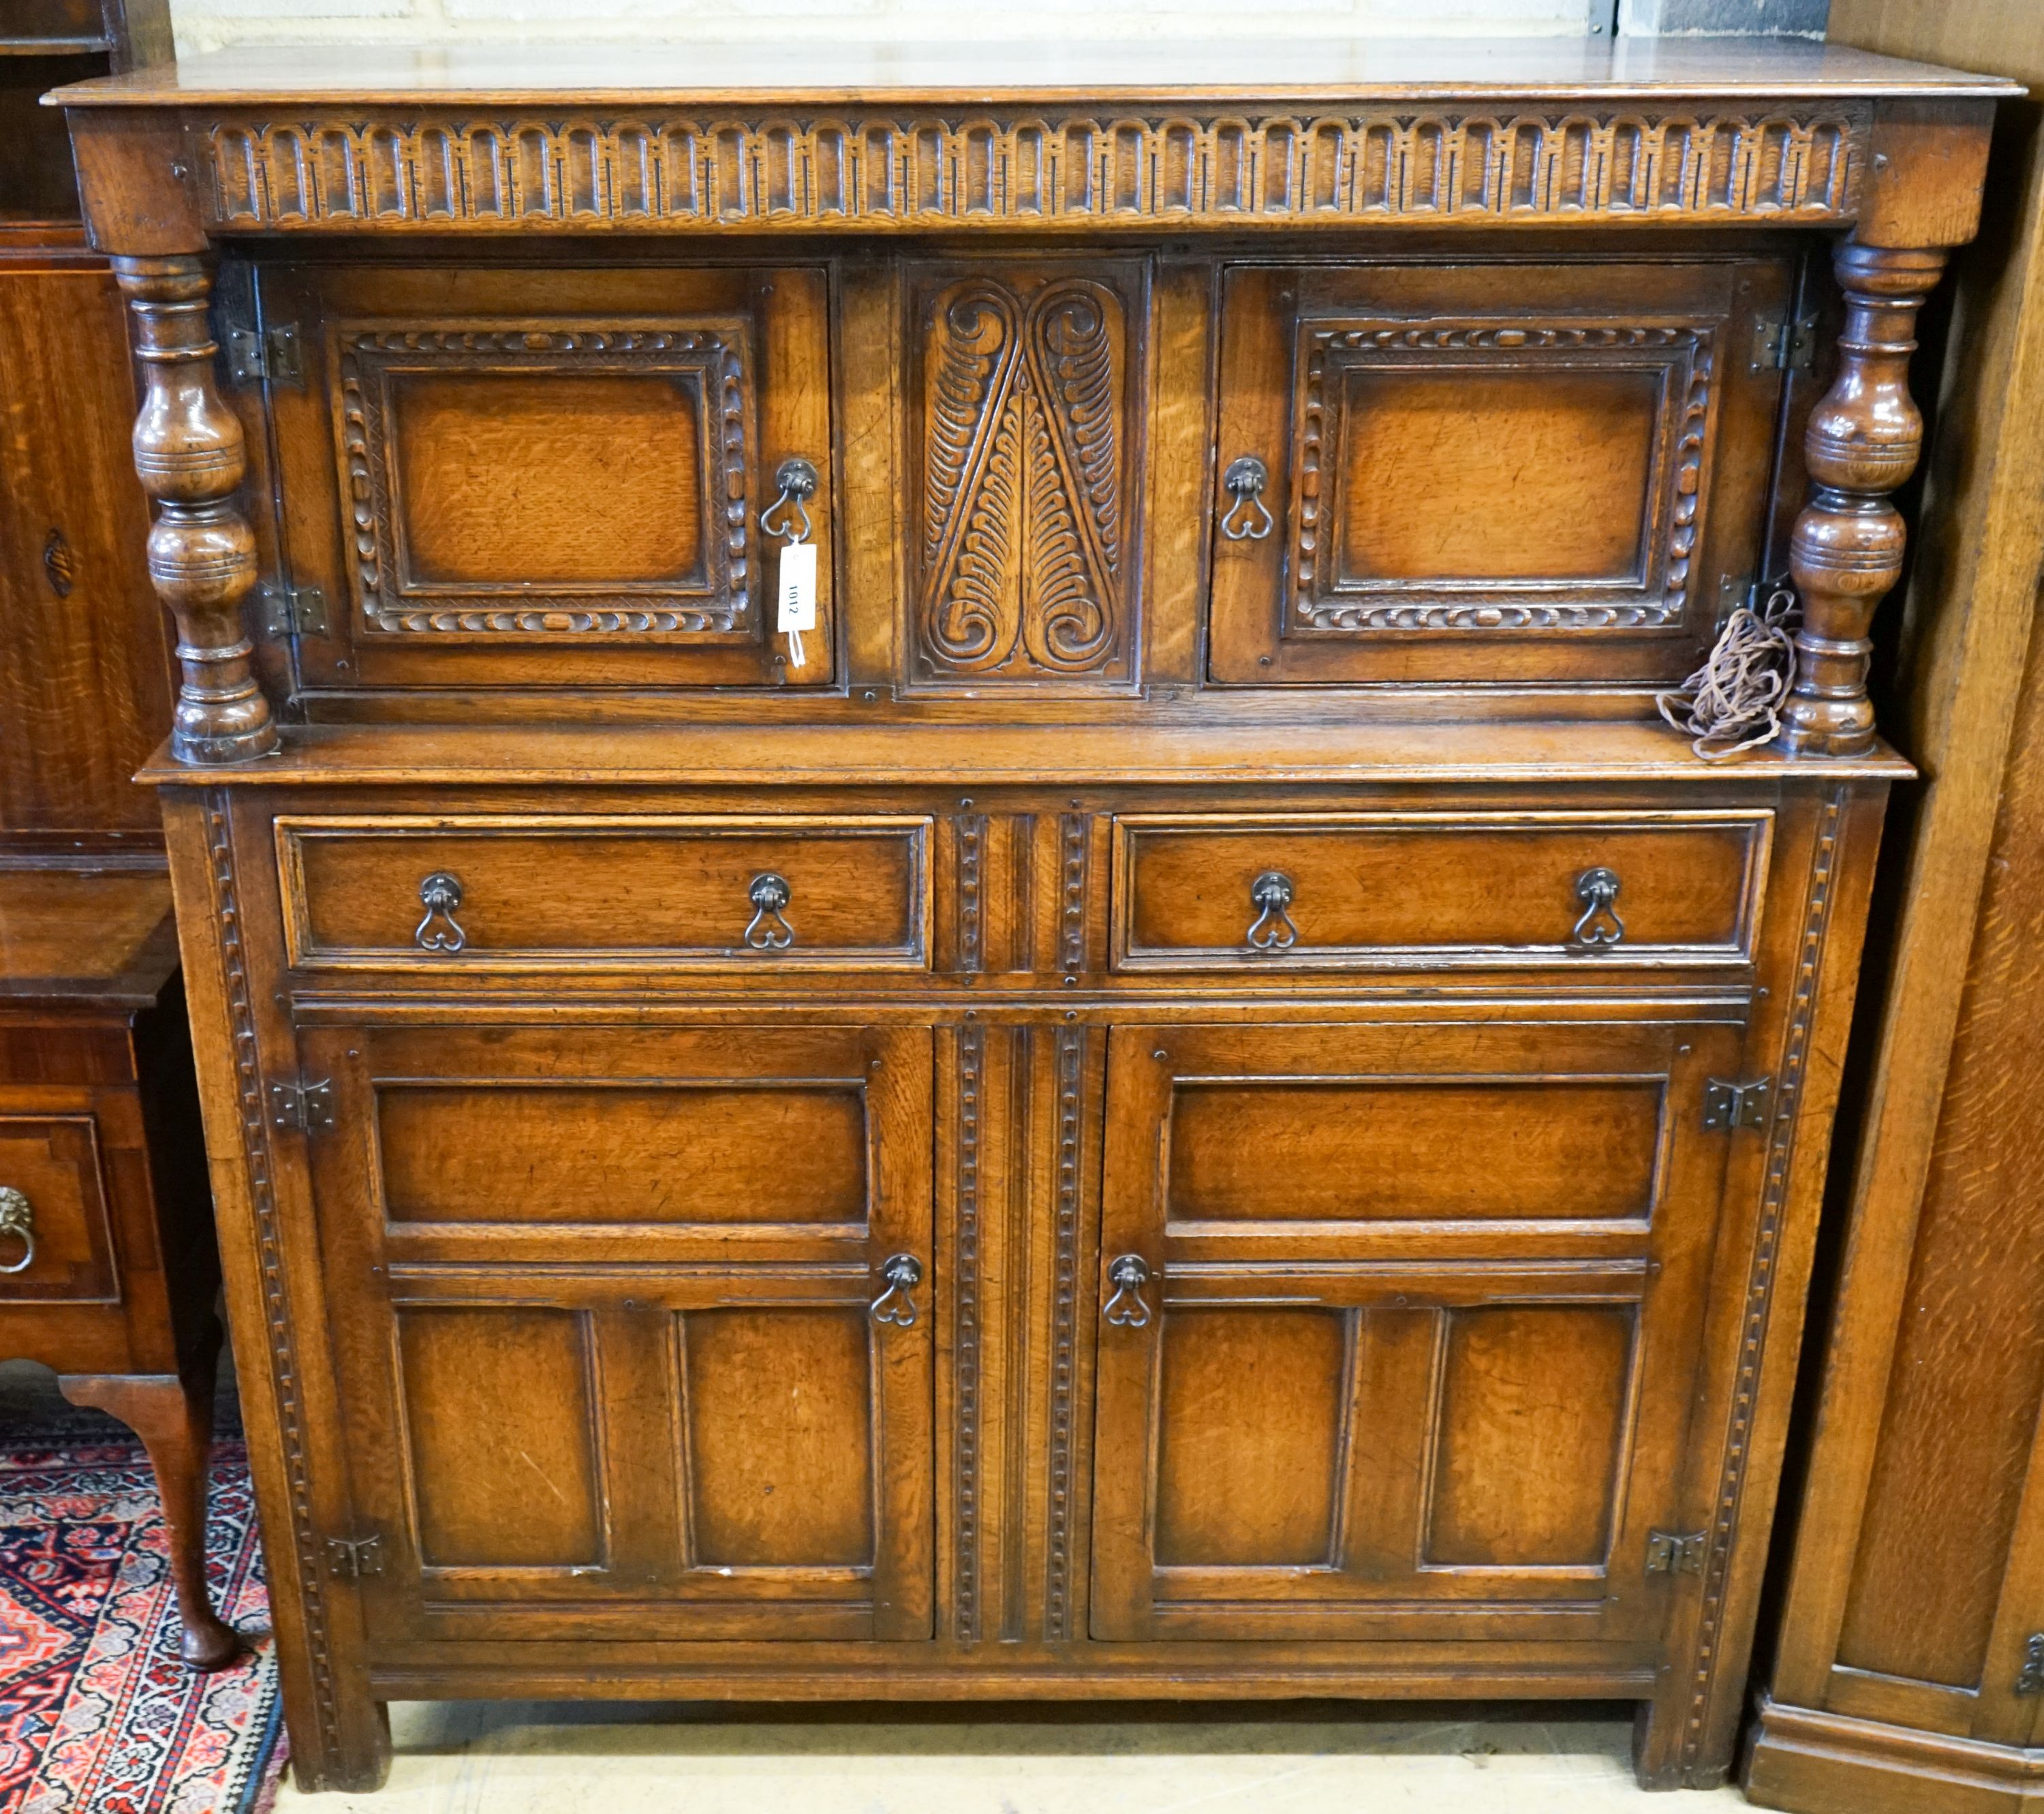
point(1168, 1085)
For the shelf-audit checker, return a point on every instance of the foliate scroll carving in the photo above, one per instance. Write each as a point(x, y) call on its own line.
point(1025, 466)
point(710, 362)
point(917, 169)
point(1684, 359)
point(190, 455)
point(1863, 441)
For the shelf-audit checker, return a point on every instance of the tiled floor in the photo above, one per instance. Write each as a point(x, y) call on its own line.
point(528, 1758)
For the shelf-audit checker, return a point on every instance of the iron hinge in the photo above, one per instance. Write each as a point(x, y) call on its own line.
point(1785, 343)
point(306, 1106)
point(350, 1558)
point(1674, 1552)
point(1736, 1104)
point(291, 610)
point(254, 354)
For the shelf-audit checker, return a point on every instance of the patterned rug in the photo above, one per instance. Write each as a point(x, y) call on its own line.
point(96, 1714)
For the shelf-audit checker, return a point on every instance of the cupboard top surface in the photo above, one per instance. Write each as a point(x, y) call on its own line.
point(1333, 70)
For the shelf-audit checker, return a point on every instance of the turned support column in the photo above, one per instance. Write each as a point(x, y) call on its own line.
point(1863, 441)
point(189, 453)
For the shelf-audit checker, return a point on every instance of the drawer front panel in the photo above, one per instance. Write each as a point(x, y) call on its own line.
point(467, 893)
point(1488, 472)
point(54, 1239)
point(554, 479)
point(1273, 894)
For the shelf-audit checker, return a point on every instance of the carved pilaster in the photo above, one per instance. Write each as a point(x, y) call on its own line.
point(1863, 441)
point(189, 452)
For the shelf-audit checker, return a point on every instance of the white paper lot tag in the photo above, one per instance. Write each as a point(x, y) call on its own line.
point(796, 591)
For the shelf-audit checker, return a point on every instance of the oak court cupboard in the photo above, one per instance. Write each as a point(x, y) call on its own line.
point(1160, 1080)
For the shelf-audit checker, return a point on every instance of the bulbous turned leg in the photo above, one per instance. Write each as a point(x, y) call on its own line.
point(1863, 440)
point(189, 453)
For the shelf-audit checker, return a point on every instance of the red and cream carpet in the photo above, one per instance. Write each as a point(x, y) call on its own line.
point(96, 1714)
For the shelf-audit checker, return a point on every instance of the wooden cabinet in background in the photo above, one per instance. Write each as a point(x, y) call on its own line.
point(108, 1269)
point(1186, 1092)
point(1908, 1677)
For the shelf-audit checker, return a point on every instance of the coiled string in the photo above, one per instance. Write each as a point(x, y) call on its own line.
point(1733, 701)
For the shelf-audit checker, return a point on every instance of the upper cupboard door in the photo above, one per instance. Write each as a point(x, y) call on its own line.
point(1537, 473)
point(551, 478)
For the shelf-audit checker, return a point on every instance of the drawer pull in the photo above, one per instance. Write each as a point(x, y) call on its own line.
point(1272, 930)
point(769, 932)
point(439, 895)
point(903, 1272)
point(1243, 482)
point(798, 480)
point(1597, 889)
point(1128, 1274)
point(18, 1220)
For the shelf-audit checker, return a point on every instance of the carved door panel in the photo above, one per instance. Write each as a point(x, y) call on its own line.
point(1500, 472)
point(1026, 382)
point(1399, 1326)
point(551, 478)
point(633, 1329)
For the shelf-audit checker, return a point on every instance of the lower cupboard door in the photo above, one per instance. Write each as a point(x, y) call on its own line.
point(1398, 1327)
point(633, 1328)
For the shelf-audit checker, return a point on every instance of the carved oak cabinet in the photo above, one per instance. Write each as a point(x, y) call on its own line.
point(1164, 1083)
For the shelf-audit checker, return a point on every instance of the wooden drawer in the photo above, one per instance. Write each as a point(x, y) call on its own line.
point(475, 892)
point(1476, 471)
point(1285, 892)
point(52, 1179)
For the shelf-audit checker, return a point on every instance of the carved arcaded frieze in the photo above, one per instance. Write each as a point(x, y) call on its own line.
point(917, 170)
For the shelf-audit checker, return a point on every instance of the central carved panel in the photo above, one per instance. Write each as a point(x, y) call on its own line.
point(1024, 526)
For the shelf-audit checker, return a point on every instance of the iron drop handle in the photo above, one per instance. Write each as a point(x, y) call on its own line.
point(1129, 1273)
point(769, 932)
point(902, 1272)
point(1597, 889)
point(1272, 930)
point(440, 895)
point(17, 1218)
point(1247, 517)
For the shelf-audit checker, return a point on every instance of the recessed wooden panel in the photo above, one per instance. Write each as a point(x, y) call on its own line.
point(1532, 1416)
point(777, 1407)
point(1356, 1149)
point(55, 1161)
point(501, 1152)
point(1532, 475)
point(501, 1429)
point(1368, 888)
point(1024, 526)
point(567, 891)
point(1425, 458)
point(554, 479)
point(1251, 1406)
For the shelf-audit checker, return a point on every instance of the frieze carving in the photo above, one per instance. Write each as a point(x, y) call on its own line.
point(711, 359)
point(919, 169)
point(1675, 485)
point(1023, 539)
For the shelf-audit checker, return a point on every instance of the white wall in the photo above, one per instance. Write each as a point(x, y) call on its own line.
point(209, 24)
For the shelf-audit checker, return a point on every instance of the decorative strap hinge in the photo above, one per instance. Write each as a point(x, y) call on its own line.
point(1736, 1104)
point(1785, 343)
point(1674, 1552)
point(255, 354)
point(291, 610)
point(308, 1107)
point(350, 1558)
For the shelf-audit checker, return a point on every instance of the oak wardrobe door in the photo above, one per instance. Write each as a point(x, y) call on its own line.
point(571, 478)
point(1398, 1327)
point(633, 1329)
